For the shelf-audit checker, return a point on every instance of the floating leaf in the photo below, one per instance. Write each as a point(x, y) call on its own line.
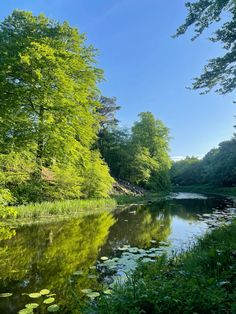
point(49, 300)
point(51, 295)
point(26, 311)
point(104, 258)
point(44, 291)
point(93, 295)
point(35, 295)
point(108, 291)
point(5, 295)
point(86, 291)
point(53, 308)
point(32, 305)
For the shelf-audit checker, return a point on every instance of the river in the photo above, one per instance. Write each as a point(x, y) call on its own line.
point(77, 259)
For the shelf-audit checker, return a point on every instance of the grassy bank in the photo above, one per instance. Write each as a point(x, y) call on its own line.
point(201, 280)
point(142, 199)
point(63, 208)
point(225, 191)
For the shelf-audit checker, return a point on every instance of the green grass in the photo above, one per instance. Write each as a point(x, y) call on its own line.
point(63, 208)
point(201, 280)
point(225, 191)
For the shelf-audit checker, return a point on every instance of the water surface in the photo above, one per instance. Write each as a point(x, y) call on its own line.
point(91, 252)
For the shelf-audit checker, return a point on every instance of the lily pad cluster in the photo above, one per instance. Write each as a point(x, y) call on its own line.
point(95, 294)
point(129, 258)
point(218, 217)
point(48, 299)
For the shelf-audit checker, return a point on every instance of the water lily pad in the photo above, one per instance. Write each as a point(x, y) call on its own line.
point(32, 305)
point(93, 295)
point(108, 291)
point(26, 311)
point(5, 295)
point(49, 300)
point(35, 295)
point(53, 308)
point(86, 291)
point(104, 258)
point(44, 291)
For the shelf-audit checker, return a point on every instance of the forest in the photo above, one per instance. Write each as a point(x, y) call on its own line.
point(59, 136)
point(96, 217)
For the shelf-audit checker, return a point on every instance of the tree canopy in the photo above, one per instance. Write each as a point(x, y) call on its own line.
point(217, 168)
point(48, 102)
point(139, 155)
point(219, 73)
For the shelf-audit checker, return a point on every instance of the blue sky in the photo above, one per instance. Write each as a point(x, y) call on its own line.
point(145, 68)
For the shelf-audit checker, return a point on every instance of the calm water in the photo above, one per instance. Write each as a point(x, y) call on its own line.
point(93, 251)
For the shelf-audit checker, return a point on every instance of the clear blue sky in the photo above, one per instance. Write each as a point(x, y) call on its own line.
point(145, 68)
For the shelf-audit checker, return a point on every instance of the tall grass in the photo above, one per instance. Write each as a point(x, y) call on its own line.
point(63, 208)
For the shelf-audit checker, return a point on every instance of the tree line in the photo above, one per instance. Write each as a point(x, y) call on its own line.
point(217, 168)
point(59, 138)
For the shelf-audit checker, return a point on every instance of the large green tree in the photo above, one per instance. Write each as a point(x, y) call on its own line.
point(219, 73)
point(48, 106)
point(149, 150)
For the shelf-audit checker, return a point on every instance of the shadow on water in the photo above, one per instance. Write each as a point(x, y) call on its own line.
point(61, 256)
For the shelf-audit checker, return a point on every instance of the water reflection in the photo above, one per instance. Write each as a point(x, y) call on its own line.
point(47, 256)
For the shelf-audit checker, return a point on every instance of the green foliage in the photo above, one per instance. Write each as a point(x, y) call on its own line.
point(64, 208)
point(217, 168)
point(201, 280)
point(150, 160)
point(49, 111)
point(107, 110)
point(114, 147)
point(186, 172)
point(220, 71)
point(140, 156)
point(97, 181)
point(6, 232)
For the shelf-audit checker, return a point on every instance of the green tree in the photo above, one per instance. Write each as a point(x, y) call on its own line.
point(187, 171)
point(107, 111)
point(114, 144)
point(48, 105)
point(220, 72)
point(150, 145)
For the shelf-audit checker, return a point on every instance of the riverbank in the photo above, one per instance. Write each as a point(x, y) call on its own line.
point(71, 208)
point(201, 280)
point(146, 198)
point(224, 191)
point(37, 211)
